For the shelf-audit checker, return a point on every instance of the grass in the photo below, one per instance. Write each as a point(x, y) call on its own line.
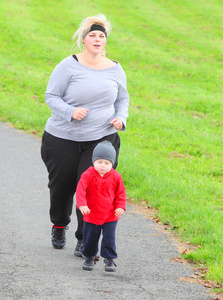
point(171, 155)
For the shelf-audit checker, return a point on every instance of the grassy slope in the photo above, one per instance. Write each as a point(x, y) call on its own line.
point(172, 54)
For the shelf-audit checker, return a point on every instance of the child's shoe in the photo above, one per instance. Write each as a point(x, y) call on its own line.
point(109, 265)
point(88, 263)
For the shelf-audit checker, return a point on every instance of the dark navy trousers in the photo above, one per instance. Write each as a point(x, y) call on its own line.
point(91, 235)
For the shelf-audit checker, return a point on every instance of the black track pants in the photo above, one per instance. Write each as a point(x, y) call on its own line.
point(65, 161)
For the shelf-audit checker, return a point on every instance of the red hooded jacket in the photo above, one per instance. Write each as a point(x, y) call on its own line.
point(101, 194)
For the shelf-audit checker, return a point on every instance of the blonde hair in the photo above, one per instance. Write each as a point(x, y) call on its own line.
point(85, 26)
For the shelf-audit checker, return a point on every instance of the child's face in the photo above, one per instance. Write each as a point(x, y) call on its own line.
point(102, 166)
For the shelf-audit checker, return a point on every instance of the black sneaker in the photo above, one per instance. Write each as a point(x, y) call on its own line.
point(109, 265)
point(79, 248)
point(88, 263)
point(58, 237)
point(96, 258)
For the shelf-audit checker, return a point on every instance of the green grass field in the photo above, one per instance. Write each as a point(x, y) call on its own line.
point(171, 51)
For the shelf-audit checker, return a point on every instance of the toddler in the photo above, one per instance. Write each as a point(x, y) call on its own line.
point(101, 198)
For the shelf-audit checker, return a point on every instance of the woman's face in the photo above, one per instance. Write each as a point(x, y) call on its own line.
point(95, 41)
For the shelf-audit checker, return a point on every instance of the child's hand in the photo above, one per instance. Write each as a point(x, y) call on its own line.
point(119, 212)
point(84, 210)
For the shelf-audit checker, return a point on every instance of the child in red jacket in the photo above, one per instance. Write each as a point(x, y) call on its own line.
point(101, 198)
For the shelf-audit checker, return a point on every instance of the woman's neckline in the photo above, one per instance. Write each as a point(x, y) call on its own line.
point(94, 69)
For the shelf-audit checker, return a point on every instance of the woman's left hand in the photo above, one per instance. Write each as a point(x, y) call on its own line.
point(117, 123)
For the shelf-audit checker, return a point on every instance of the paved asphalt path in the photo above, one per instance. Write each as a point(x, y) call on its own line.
point(31, 269)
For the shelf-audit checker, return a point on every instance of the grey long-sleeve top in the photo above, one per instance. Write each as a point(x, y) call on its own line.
point(102, 91)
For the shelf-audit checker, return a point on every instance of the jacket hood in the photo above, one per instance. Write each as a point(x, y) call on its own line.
point(95, 173)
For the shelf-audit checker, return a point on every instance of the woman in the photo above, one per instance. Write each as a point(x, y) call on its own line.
point(89, 101)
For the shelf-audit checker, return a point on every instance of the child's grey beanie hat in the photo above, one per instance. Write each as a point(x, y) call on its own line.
point(104, 150)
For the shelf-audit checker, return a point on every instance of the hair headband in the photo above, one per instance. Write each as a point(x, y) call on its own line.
point(98, 27)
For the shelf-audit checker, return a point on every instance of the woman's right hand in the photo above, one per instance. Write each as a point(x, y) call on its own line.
point(79, 113)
